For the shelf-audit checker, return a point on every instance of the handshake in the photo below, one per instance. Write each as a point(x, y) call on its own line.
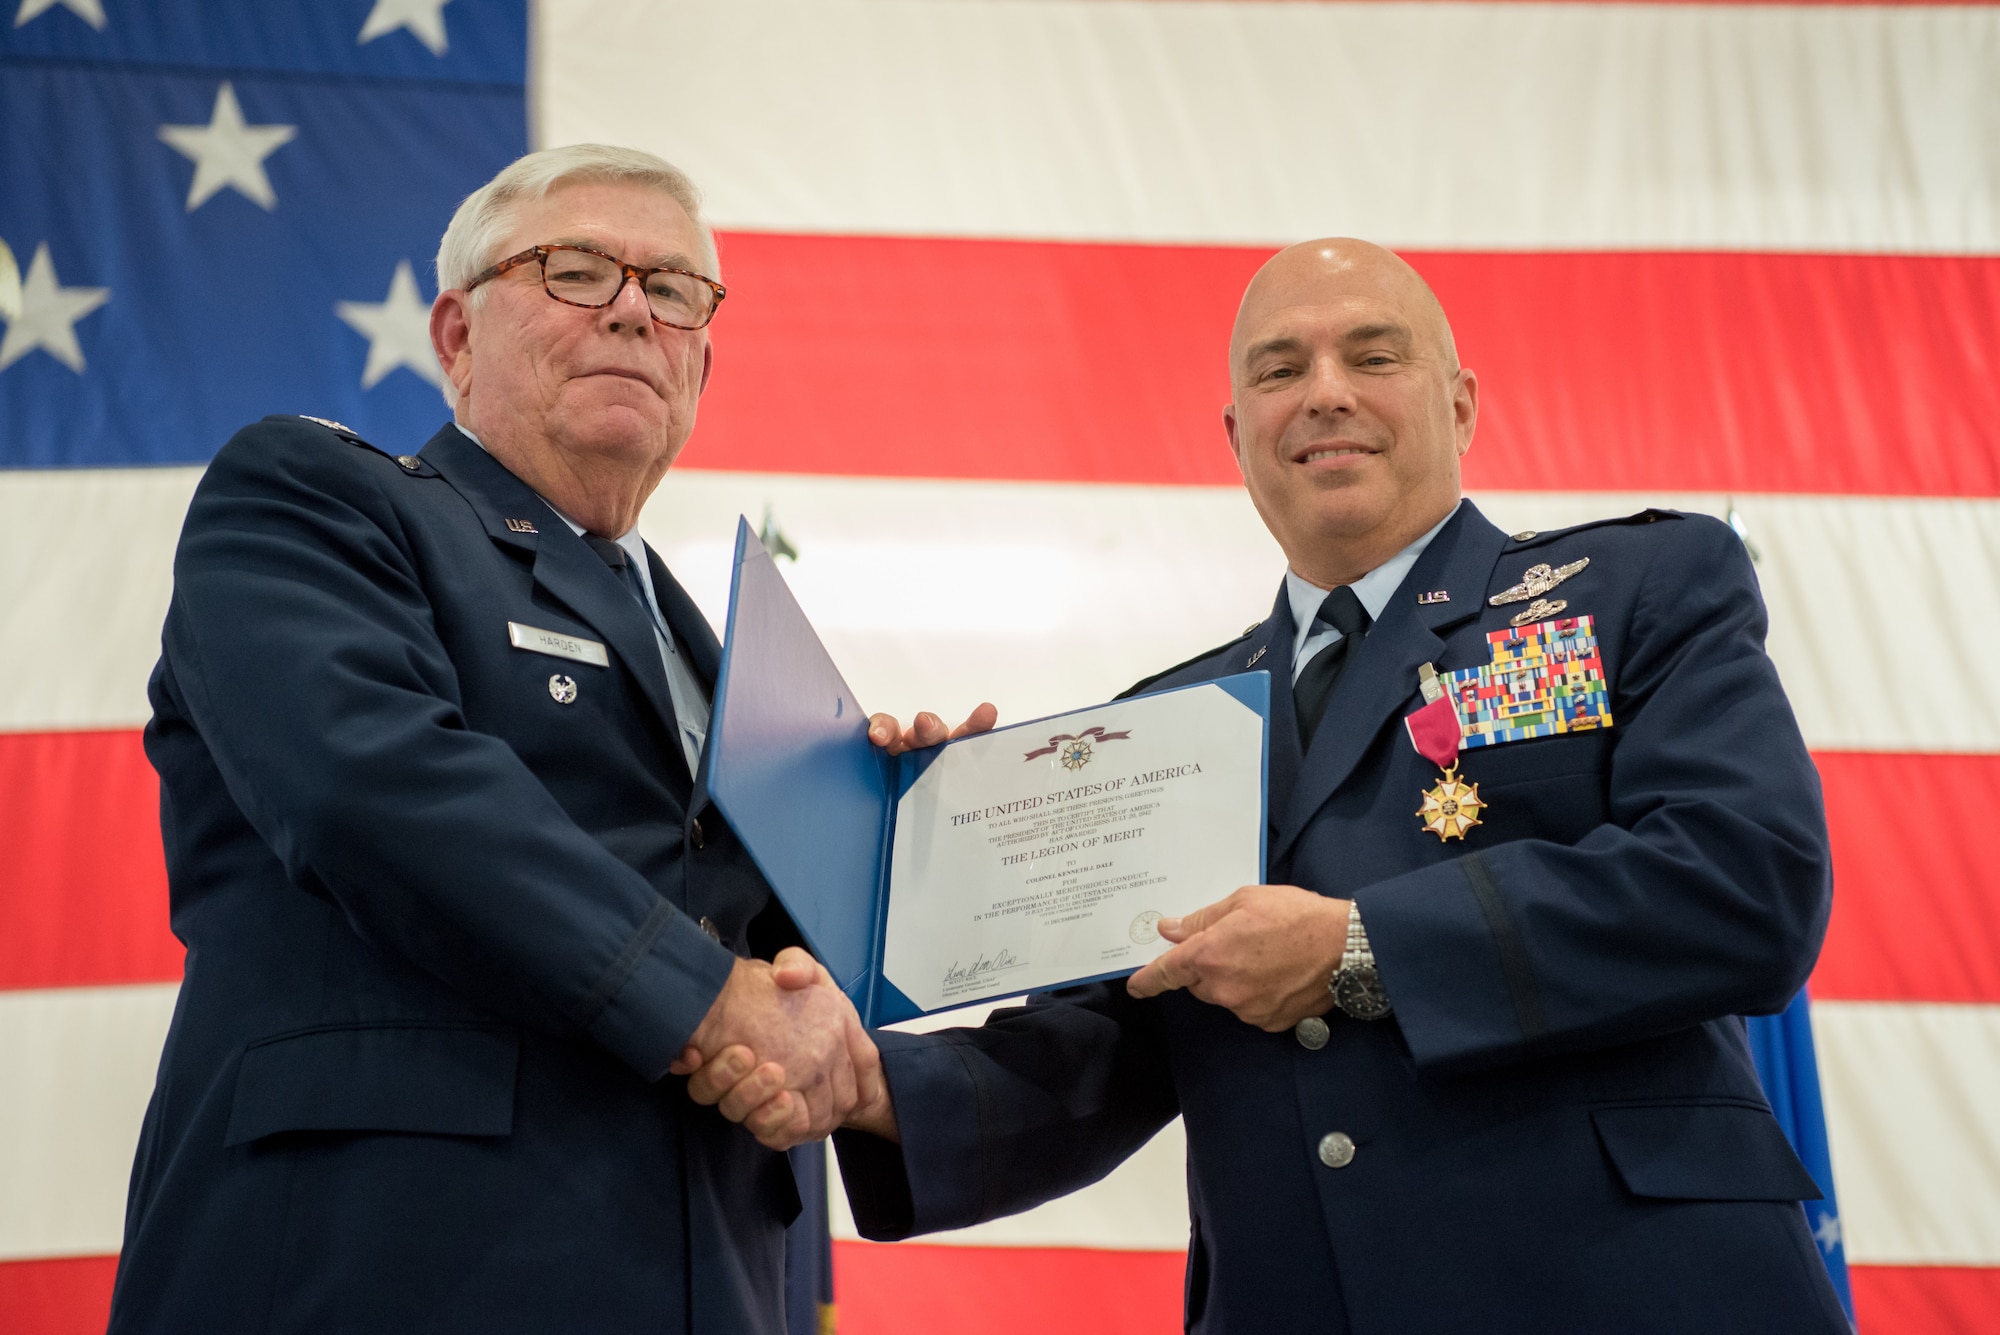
point(783, 1052)
point(782, 1049)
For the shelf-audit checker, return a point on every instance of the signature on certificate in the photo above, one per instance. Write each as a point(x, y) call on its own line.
point(960, 976)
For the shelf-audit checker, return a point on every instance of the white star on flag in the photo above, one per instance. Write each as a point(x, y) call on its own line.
point(398, 330)
point(10, 283)
point(48, 315)
point(90, 11)
point(424, 19)
point(227, 152)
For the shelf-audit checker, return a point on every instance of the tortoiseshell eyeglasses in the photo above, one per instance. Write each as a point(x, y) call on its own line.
point(580, 276)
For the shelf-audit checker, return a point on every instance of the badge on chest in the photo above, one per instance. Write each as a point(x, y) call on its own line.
point(1542, 680)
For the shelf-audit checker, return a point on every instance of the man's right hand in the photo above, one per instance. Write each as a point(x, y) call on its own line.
point(802, 1037)
point(755, 1093)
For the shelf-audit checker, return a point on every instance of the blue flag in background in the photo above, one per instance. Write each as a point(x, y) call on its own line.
point(226, 208)
point(1782, 1046)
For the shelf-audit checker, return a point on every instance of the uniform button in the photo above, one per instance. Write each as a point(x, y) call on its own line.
point(410, 463)
point(694, 833)
point(1311, 1032)
point(708, 925)
point(1526, 535)
point(1336, 1149)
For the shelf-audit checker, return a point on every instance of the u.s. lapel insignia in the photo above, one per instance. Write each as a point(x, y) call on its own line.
point(1539, 610)
point(522, 526)
point(1434, 596)
point(1538, 580)
point(1254, 657)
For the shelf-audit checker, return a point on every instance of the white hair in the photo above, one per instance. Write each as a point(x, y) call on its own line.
point(480, 226)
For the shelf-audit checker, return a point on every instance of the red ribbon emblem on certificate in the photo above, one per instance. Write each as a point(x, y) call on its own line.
point(1077, 753)
point(1451, 808)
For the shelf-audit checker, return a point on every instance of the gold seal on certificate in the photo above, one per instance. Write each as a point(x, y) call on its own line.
point(1018, 867)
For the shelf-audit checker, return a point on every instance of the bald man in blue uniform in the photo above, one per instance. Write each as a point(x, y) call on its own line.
point(1473, 1061)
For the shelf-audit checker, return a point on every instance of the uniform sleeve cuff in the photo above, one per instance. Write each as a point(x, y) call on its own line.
point(675, 974)
point(933, 1179)
point(1433, 935)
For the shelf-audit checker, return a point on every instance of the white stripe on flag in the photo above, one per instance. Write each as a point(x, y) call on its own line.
point(1045, 596)
point(1461, 126)
point(1909, 1089)
point(1911, 1092)
point(79, 638)
point(76, 1069)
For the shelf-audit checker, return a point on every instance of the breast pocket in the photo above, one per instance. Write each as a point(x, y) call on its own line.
point(450, 1080)
point(1555, 788)
point(1540, 760)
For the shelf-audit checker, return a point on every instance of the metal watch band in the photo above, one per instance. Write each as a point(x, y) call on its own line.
point(1358, 954)
point(1356, 985)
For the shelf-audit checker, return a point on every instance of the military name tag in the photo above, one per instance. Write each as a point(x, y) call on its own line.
point(556, 644)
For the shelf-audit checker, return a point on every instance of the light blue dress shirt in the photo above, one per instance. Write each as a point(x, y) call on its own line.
point(1374, 589)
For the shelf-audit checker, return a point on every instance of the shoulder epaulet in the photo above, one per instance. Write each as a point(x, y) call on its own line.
point(1536, 537)
point(1136, 687)
point(412, 464)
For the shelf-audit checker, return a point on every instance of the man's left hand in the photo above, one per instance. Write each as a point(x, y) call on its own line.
point(1265, 954)
point(927, 729)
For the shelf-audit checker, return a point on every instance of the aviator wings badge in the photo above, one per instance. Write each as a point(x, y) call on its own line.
point(1538, 580)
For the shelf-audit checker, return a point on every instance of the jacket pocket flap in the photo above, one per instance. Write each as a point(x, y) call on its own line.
point(435, 1079)
point(1703, 1151)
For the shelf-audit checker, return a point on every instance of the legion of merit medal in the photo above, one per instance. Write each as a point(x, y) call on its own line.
point(1451, 808)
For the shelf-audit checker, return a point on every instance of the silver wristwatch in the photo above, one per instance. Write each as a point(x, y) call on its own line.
point(1356, 986)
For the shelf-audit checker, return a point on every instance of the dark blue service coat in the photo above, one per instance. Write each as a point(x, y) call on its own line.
point(442, 925)
point(1560, 1129)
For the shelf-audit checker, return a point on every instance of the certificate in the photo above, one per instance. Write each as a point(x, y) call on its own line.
point(1023, 859)
point(1045, 854)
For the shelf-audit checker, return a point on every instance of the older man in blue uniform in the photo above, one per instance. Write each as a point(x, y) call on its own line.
point(429, 730)
point(1542, 827)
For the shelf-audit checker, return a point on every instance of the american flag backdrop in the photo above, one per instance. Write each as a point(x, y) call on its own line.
point(982, 258)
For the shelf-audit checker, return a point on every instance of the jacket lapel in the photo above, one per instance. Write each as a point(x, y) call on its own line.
point(1379, 685)
point(564, 567)
point(1269, 649)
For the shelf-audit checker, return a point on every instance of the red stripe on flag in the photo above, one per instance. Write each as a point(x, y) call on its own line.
point(1914, 916)
point(1925, 1300)
point(912, 1289)
point(913, 357)
point(86, 884)
point(70, 1296)
point(1915, 912)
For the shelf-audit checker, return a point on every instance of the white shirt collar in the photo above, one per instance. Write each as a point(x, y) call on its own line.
point(1374, 589)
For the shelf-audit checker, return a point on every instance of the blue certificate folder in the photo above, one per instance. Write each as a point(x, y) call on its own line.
point(790, 766)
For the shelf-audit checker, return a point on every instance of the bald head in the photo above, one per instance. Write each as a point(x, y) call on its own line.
point(1324, 272)
point(1348, 409)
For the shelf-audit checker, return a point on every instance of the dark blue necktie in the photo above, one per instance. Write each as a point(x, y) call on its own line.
point(1343, 612)
point(614, 556)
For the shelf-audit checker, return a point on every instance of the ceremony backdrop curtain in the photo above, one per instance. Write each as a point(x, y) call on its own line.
point(982, 258)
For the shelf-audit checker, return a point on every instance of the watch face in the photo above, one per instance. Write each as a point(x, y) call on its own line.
point(1359, 993)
